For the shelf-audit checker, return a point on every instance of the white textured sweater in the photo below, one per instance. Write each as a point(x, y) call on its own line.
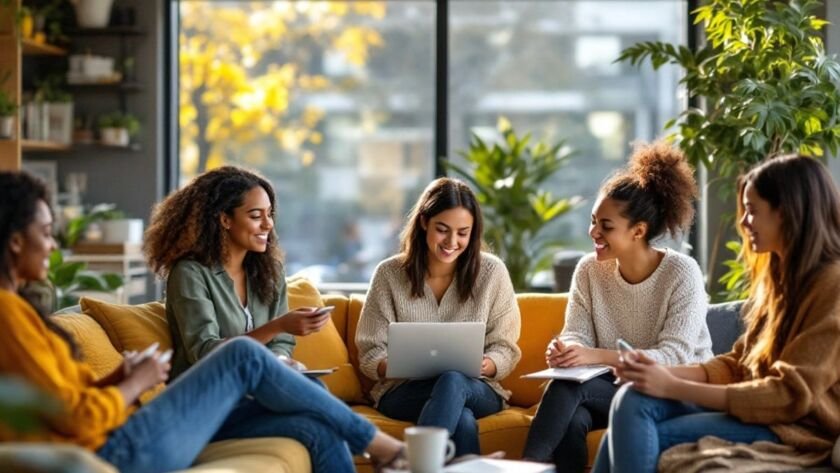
point(664, 316)
point(389, 299)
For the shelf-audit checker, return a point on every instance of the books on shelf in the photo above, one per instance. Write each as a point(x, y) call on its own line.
point(580, 374)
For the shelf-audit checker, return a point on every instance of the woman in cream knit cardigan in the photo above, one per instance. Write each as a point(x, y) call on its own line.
point(441, 275)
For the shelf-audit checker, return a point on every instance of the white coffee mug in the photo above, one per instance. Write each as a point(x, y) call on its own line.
point(428, 448)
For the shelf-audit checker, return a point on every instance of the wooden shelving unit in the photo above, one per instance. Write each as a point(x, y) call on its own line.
point(31, 48)
point(10, 61)
point(42, 146)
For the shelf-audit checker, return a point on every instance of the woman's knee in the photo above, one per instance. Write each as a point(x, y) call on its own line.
point(629, 402)
point(452, 381)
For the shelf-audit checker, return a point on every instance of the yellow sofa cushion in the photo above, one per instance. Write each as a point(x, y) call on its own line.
point(97, 350)
point(326, 348)
point(131, 327)
point(270, 454)
point(542, 318)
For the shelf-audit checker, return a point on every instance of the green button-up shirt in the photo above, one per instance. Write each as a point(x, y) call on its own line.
point(203, 310)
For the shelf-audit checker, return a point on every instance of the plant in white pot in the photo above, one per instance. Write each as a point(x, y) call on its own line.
point(8, 107)
point(92, 13)
point(117, 128)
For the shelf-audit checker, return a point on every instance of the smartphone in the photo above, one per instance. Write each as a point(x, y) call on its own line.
point(624, 347)
point(165, 356)
point(321, 311)
point(148, 352)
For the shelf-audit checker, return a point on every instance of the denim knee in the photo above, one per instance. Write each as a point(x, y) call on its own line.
point(629, 403)
point(242, 346)
point(451, 381)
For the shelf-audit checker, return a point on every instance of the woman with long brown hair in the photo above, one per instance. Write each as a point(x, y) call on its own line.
point(441, 275)
point(780, 382)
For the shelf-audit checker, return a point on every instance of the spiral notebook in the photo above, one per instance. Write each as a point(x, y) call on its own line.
point(581, 374)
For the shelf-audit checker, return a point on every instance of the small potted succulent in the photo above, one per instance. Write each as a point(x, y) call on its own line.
point(117, 128)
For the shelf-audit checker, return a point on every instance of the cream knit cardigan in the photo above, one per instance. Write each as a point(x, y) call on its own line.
point(389, 300)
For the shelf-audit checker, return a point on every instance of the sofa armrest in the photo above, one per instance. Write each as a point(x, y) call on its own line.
point(50, 458)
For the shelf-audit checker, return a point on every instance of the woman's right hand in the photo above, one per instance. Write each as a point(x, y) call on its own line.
point(301, 321)
point(143, 376)
point(382, 368)
point(553, 352)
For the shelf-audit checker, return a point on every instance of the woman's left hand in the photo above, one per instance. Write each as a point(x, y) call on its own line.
point(648, 377)
point(575, 355)
point(488, 367)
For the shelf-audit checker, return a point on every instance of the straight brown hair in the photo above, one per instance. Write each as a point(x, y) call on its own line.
point(441, 195)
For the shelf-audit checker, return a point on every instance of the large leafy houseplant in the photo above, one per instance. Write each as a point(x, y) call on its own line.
point(508, 177)
point(765, 86)
point(68, 278)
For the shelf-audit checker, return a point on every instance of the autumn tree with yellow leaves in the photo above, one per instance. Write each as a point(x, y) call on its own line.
point(243, 64)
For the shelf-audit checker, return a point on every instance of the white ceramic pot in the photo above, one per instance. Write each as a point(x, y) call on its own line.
point(114, 136)
point(126, 230)
point(93, 13)
point(7, 128)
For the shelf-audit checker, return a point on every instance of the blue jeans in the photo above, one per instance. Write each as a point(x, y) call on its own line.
point(452, 401)
point(641, 427)
point(238, 391)
point(568, 411)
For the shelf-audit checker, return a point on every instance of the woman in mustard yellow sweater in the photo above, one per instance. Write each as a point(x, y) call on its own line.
point(780, 382)
point(239, 390)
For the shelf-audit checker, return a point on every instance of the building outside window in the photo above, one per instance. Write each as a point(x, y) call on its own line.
point(334, 102)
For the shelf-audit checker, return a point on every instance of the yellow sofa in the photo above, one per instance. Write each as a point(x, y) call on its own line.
point(104, 330)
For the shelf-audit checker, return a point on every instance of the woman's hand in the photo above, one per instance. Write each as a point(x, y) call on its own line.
point(301, 321)
point(561, 355)
point(144, 375)
point(382, 368)
point(647, 376)
point(488, 367)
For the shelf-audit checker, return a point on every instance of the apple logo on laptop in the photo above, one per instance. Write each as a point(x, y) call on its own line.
point(433, 352)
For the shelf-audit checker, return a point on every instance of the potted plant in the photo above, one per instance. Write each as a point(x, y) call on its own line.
point(92, 13)
point(117, 128)
point(767, 87)
point(508, 178)
point(8, 108)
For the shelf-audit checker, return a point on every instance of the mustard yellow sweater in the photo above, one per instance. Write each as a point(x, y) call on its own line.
point(32, 352)
point(798, 396)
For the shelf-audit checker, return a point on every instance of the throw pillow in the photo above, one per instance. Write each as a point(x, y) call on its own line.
point(326, 348)
point(131, 327)
point(97, 350)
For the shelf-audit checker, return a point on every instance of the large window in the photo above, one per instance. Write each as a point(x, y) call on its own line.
point(334, 101)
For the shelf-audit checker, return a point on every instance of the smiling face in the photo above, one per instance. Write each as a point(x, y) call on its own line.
point(448, 235)
point(251, 223)
point(31, 247)
point(611, 232)
point(761, 222)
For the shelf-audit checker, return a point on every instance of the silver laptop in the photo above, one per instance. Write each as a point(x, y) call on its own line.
point(418, 350)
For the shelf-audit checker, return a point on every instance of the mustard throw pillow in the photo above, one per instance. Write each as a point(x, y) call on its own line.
point(97, 350)
point(324, 349)
point(131, 327)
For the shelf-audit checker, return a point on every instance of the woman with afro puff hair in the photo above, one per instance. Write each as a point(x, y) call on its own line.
point(652, 297)
point(214, 243)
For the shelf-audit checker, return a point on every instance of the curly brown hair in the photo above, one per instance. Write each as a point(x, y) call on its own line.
point(186, 225)
point(657, 187)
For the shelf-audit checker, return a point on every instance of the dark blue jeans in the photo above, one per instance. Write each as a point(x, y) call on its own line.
point(238, 391)
point(452, 401)
point(641, 427)
point(568, 411)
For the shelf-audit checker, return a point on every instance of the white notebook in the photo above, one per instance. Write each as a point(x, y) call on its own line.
point(578, 373)
point(487, 465)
